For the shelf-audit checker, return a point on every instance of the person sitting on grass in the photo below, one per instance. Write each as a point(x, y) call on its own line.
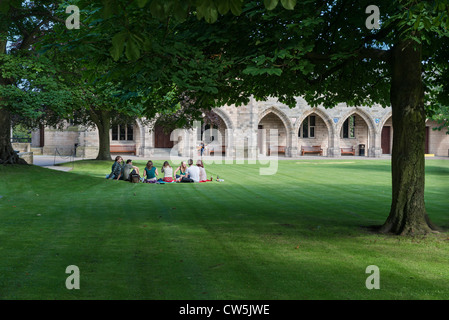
point(203, 175)
point(150, 172)
point(117, 168)
point(129, 169)
point(167, 171)
point(182, 171)
point(193, 172)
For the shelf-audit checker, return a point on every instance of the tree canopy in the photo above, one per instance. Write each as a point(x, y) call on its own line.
point(155, 66)
point(29, 86)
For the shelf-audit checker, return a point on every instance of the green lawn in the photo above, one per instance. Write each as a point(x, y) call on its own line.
point(299, 234)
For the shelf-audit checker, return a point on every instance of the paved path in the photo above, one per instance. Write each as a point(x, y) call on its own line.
point(51, 161)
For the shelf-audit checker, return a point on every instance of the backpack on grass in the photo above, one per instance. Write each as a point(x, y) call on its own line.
point(134, 178)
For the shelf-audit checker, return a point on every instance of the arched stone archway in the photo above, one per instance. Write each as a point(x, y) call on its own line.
point(270, 119)
point(314, 128)
point(384, 119)
point(324, 116)
point(218, 137)
point(225, 117)
point(282, 116)
point(356, 132)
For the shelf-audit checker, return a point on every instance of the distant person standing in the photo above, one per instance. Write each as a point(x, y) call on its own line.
point(202, 148)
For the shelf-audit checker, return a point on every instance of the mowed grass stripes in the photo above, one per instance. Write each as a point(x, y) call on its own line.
point(298, 234)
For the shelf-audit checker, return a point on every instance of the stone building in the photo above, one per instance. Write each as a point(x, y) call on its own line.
point(259, 128)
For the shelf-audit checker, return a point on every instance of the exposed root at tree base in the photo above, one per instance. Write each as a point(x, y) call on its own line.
point(12, 159)
point(390, 229)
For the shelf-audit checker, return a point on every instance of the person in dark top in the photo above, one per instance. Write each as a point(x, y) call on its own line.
point(202, 147)
point(117, 169)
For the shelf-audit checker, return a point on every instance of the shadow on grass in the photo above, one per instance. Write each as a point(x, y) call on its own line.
point(341, 211)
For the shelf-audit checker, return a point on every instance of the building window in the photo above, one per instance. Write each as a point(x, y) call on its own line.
point(123, 132)
point(307, 129)
point(348, 130)
point(130, 132)
point(208, 133)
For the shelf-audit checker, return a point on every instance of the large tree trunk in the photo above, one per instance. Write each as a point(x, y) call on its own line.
point(103, 121)
point(408, 213)
point(7, 153)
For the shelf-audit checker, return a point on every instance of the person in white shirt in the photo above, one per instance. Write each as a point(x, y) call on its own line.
point(168, 172)
point(193, 172)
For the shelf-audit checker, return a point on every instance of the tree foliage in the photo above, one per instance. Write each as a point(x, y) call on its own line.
point(29, 88)
point(155, 66)
point(34, 94)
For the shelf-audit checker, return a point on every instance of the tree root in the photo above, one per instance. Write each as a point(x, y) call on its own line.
point(409, 230)
point(12, 158)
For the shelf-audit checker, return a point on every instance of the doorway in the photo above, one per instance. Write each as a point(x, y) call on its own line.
point(385, 140)
point(162, 138)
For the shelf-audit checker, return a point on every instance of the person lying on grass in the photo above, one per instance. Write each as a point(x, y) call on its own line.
point(150, 172)
point(117, 168)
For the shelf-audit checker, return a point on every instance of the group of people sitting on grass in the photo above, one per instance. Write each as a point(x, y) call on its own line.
point(183, 173)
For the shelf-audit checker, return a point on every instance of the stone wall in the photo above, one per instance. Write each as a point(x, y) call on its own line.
point(27, 156)
point(61, 142)
point(21, 146)
point(438, 140)
point(239, 130)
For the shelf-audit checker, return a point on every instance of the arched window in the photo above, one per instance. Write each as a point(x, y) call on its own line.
point(348, 129)
point(307, 129)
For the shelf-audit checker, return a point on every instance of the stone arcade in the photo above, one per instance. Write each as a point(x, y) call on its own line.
point(356, 131)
